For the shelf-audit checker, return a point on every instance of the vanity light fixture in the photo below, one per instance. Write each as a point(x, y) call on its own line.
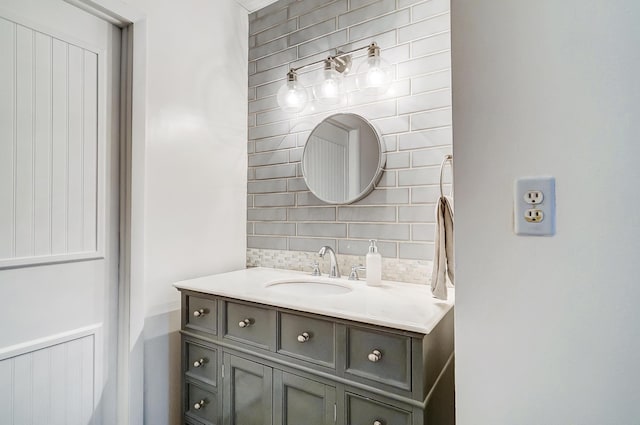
point(331, 90)
point(373, 78)
point(292, 96)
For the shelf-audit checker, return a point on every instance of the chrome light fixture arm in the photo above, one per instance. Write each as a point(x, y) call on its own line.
point(339, 55)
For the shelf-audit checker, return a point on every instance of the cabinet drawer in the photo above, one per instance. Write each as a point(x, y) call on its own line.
point(201, 404)
point(307, 338)
point(201, 314)
point(201, 362)
point(364, 411)
point(250, 324)
point(379, 356)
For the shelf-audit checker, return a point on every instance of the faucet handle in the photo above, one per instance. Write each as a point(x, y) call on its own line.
point(354, 271)
point(316, 268)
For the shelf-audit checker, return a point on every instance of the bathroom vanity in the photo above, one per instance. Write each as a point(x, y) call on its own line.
point(270, 347)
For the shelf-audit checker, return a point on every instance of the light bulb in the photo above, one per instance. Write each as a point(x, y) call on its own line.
point(292, 96)
point(374, 75)
point(330, 91)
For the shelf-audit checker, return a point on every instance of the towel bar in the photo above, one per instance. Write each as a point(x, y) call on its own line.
point(447, 158)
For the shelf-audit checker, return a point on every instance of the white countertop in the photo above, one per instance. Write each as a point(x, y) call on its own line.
point(398, 305)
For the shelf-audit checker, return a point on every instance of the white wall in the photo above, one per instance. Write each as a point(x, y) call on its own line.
point(196, 170)
point(196, 141)
point(547, 329)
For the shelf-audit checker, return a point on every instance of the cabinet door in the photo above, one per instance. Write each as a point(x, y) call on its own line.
point(301, 401)
point(247, 398)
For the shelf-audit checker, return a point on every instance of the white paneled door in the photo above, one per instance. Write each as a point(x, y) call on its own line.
point(59, 205)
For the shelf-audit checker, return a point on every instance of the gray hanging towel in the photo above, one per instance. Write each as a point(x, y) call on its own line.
point(443, 261)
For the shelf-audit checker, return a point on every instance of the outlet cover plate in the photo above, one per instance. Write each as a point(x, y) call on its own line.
point(546, 185)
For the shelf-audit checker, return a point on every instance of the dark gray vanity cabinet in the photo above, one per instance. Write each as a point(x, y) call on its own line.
point(299, 400)
point(248, 392)
point(251, 364)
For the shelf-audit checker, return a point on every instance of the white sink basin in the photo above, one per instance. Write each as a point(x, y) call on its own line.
point(309, 287)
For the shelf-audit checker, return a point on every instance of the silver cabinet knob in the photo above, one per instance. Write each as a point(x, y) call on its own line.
point(199, 405)
point(199, 313)
point(374, 356)
point(304, 337)
point(377, 422)
point(244, 323)
point(199, 363)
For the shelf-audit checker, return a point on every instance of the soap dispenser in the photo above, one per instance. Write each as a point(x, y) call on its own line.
point(374, 265)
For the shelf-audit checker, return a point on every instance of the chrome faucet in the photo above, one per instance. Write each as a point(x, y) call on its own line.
point(334, 271)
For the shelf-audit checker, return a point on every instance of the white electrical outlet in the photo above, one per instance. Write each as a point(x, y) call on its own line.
point(533, 216)
point(533, 197)
point(534, 209)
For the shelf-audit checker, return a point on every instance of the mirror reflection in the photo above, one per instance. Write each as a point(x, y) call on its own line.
point(342, 159)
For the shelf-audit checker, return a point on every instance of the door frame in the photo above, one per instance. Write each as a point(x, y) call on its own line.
point(130, 356)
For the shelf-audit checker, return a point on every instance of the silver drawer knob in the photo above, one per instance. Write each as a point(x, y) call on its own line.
point(376, 422)
point(244, 323)
point(304, 337)
point(199, 313)
point(374, 356)
point(199, 363)
point(199, 405)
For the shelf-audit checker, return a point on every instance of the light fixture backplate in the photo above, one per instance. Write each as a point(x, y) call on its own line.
point(343, 63)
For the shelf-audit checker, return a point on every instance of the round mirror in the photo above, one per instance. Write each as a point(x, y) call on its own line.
point(342, 159)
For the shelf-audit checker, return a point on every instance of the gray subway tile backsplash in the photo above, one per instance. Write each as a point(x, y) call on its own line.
point(435, 81)
point(277, 229)
point(335, 230)
point(274, 200)
point(417, 214)
point(398, 124)
point(388, 179)
point(269, 158)
point(429, 157)
point(431, 45)
point(379, 25)
point(386, 197)
point(424, 28)
point(283, 57)
point(366, 13)
point(266, 242)
point(426, 101)
point(424, 65)
point(330, 11)
point(276, 32)
point(367, 214)
point(431, 119)
point(310, 244)
point(276, 171)
point(429, 9)
point(416, 251)
point(267, 214)
point(398, 160)
point(269, 48)
point(424, 139)
point(267, 21)
point(418, 176)
point(312, 32)
point(361, 247)
point(312, 214)
point(423, 232)
point(390, 232)
point(322, 44)
point(275, 143)
point(296, 185)
point(280, 128)
point(414, 118)
point(266, 186)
